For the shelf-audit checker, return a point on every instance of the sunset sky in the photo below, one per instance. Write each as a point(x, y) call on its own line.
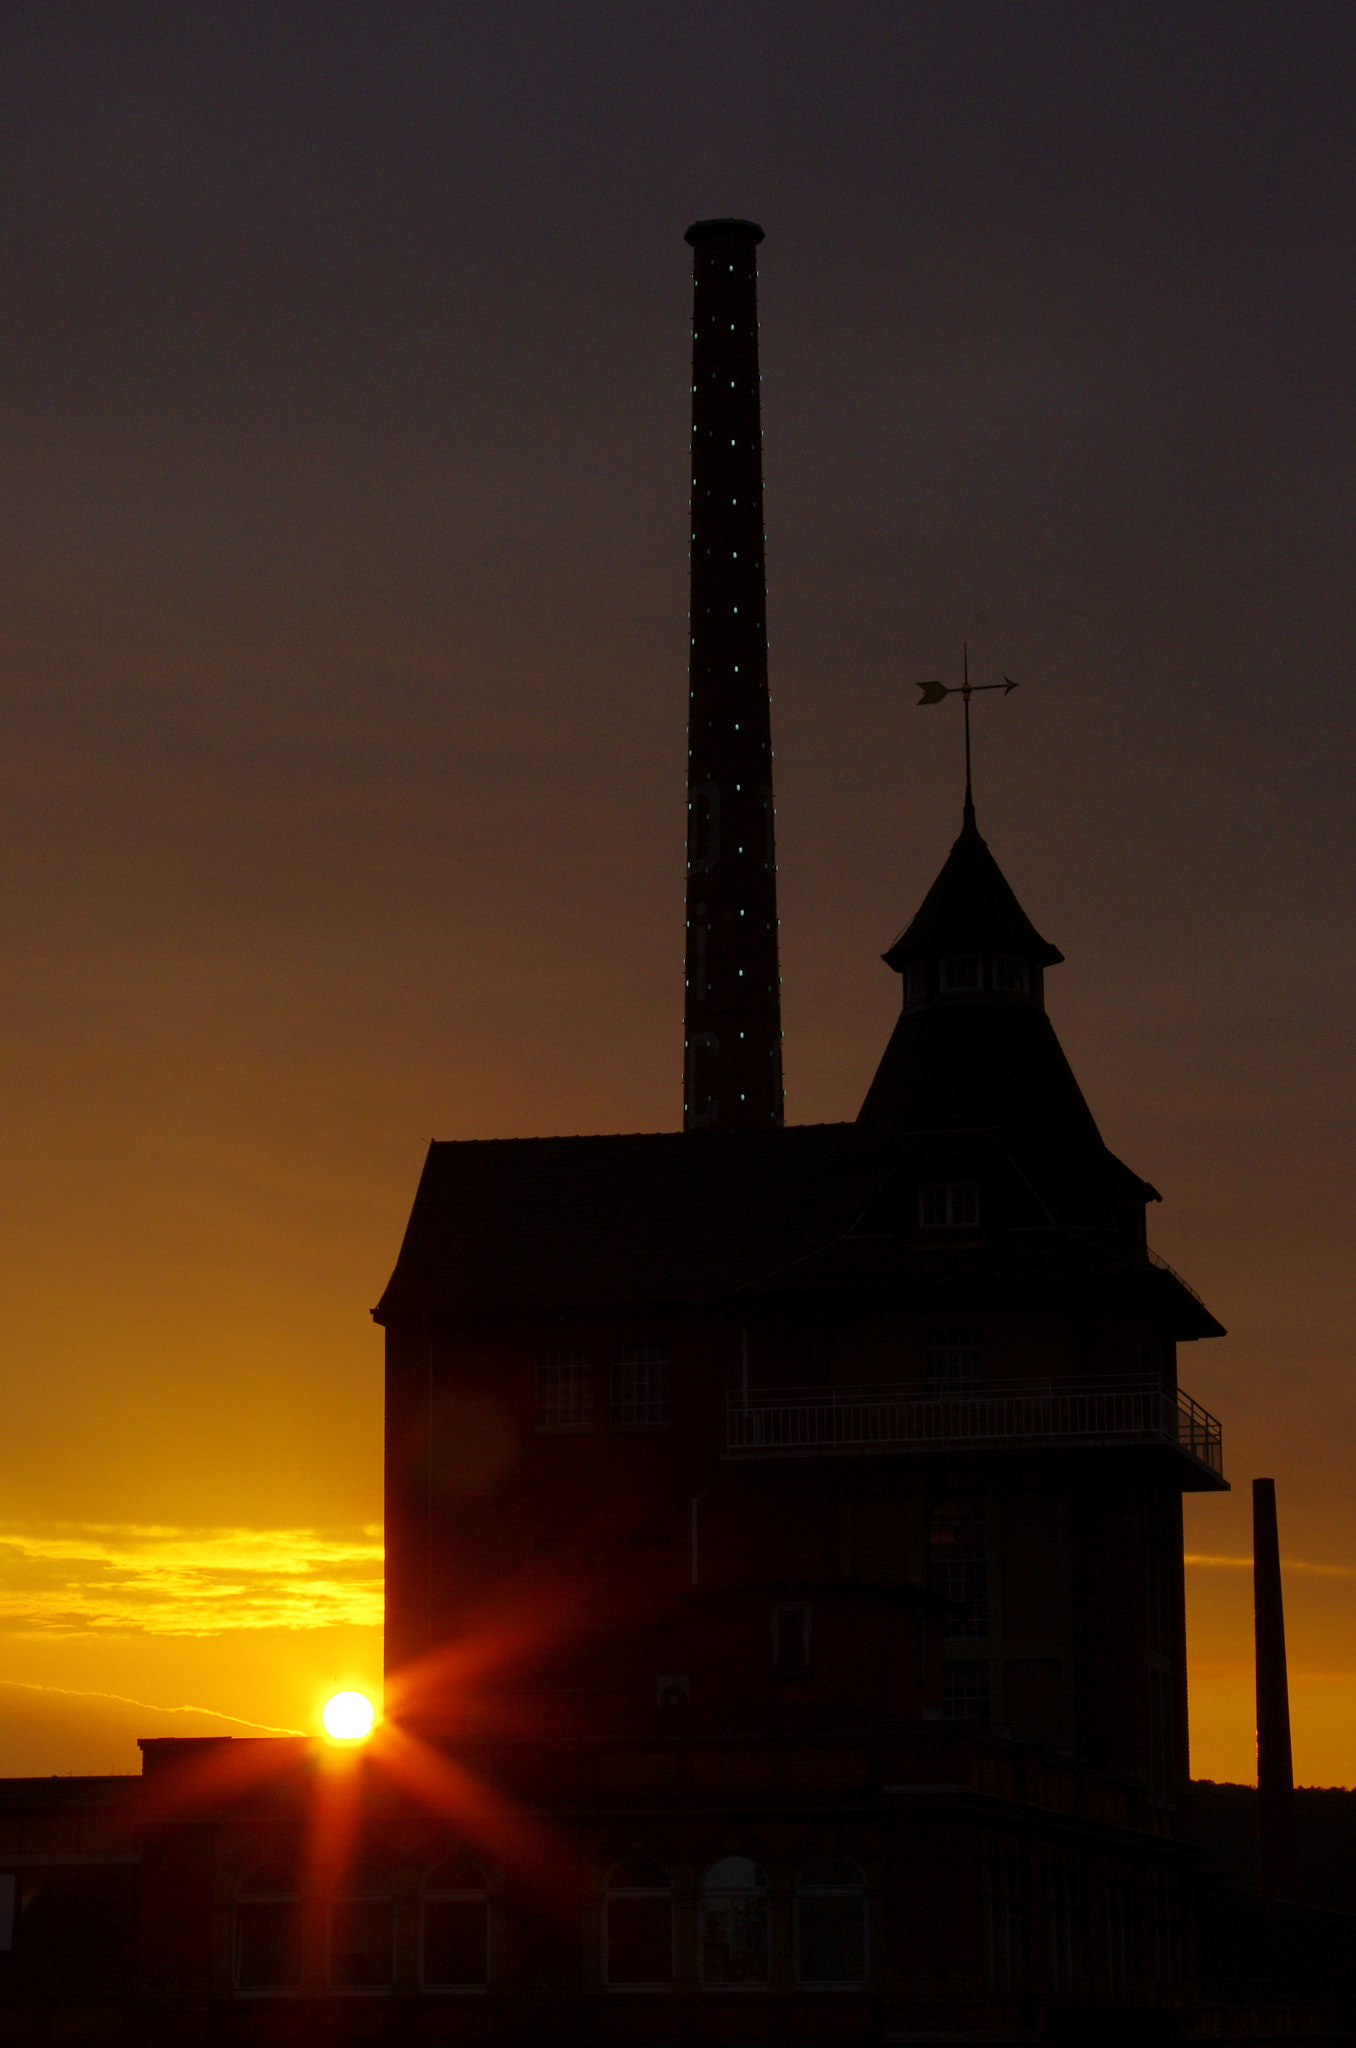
point(343, 547)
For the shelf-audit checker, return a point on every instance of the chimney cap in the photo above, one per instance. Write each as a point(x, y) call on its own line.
point(709, 230)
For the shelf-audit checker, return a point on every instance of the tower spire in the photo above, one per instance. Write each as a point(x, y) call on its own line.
point(732, 1072)
point(934, 692)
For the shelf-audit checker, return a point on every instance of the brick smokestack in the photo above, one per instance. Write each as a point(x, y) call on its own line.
point(1275, 1773)
point(732, 1072)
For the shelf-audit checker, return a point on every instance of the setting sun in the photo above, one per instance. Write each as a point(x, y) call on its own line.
point(348, 1717)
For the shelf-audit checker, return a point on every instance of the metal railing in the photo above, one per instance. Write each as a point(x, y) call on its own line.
point(1134, 1409)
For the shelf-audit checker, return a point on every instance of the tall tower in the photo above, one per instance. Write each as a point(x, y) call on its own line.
point(732, 1071)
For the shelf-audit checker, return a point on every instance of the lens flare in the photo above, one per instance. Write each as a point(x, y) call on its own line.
point(348, 1717)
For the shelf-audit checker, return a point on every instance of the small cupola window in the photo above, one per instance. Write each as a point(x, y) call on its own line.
point(962, 973)
point(916, 981)
point(1011, 974)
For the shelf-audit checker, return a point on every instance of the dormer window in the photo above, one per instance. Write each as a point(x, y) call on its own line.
point(962, 973)
point(1011, 975)
point(916, 981)
point(948, 1205)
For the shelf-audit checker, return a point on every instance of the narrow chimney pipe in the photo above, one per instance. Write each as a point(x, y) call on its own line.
point(1276, 1874)
point(732, 1049)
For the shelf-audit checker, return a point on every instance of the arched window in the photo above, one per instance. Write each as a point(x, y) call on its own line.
point(734, 1923)
point(455, 1932)
point(830, 1922)
point(638, 1924)
point(362, 1931)
point(267, 1934)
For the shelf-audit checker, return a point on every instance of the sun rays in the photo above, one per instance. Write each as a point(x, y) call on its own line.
point(328, 1803)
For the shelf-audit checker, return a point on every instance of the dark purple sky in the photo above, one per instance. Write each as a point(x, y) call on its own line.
point(343, 550)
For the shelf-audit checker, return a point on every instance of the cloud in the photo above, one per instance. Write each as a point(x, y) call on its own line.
point(72, 1692)
point(1288, 1564)
point(114, 1578)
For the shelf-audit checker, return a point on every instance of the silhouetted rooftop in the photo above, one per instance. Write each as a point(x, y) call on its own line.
point(668, 1218)
point(971, 908)
point(707, 230)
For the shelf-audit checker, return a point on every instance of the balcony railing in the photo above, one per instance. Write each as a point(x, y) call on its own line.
point(804, 1421)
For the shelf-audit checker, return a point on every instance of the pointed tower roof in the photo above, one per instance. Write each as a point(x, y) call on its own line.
point(975, 1055)
point(971, 908)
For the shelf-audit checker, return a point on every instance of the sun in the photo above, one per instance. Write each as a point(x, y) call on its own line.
point(348, 1717)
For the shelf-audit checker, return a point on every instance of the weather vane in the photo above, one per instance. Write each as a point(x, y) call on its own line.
point(933, 693)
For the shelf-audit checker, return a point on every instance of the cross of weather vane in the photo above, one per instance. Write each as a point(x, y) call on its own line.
point(933, 693)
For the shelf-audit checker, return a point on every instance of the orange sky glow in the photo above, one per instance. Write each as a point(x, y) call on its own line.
point(343, 695)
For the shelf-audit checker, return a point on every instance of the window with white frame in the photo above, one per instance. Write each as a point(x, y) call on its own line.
point(1062, 1924)
point(948, 1205)
point(962, 973)
point(1118, 1929)
point(965, 1691)
point(362, 1932)
point(958, 1570)
point(455, 1928)
point(267, 1935)
point(791, 1639)
point(830, 1922)
point(997, 1915)
point(639, 1391)
point(1011, 975)
point(734, 1923)
point(953, 1361)
point(638, 1925)
point(565, 1390)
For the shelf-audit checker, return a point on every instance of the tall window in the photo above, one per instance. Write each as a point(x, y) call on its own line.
point(640, 1386)
point(965, 1691)
point(948, 1205)
point(565, 1390)
point(267, 1946)
point(997, 1885)
point(953, 1361)
point(1062, 1925)
point(638, 1924)
point(734, 1923)
point(362, 1932)
point(958, 1568)
point(455, 1931)
point(1117, 1927)
point(791, 1640)
point(830, 1922)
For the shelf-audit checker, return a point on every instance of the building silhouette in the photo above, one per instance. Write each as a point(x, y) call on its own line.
point(785, 1625)
point(854, 1452)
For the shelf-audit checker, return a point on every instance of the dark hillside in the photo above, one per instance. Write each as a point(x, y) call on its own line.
point(1224, 1819)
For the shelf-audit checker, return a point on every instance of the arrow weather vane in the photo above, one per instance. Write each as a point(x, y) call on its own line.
point(933, 693)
